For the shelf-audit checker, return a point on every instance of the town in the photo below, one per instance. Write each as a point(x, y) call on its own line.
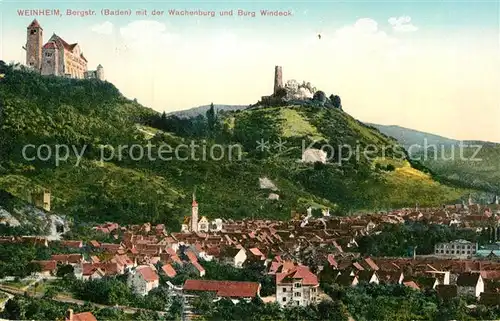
point(297, 261)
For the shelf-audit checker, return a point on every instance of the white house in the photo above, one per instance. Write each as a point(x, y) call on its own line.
point(216, 225)
point(234, 256)
point(470, 283)
point(298, 286)
point(203, 225)
point(143, 279)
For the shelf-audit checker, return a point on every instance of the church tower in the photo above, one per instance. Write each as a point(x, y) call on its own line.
point(33, 46)
point(194, 216)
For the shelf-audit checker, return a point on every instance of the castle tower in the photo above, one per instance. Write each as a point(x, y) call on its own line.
point(34, 42)
point(100, 72)
point(194, 216)
point(278, 78)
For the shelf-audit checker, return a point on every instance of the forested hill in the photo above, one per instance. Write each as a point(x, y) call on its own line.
point(87, 114)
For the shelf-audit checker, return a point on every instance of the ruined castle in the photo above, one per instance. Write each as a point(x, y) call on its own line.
point(291, 90)
point(57, 57)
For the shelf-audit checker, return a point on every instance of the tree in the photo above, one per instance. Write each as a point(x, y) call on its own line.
point(337, 103)
point(320, 97)
point(65, 270)
point(211, 118)
point(332, 310)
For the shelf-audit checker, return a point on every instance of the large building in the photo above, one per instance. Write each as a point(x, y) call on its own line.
point(458, 248)
point(56, 57)
point(297, 287)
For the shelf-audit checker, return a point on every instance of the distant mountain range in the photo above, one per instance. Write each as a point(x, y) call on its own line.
point(201, 110)
point(408, 137)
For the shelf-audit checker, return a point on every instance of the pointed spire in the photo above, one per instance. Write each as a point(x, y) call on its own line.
point(34, 24)
point(194, 199)
point(470, 200)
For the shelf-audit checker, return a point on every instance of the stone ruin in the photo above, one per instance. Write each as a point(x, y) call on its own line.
point(293, 92)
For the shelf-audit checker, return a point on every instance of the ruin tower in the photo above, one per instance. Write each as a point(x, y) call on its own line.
point(34, 42)
point(278, 78)
point(100, 72)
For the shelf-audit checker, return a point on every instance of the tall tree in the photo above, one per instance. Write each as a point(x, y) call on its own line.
point(211, 118)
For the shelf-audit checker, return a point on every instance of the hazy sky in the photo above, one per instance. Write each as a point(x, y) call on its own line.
point(429, 66)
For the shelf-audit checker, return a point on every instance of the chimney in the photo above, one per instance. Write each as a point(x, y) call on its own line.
point(69, 315)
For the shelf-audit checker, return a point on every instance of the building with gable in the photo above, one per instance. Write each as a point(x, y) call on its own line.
point(56, 57)
point(143, 279)
point(298, 286)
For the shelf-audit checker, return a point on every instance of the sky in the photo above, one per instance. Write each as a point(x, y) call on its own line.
point(433, 66)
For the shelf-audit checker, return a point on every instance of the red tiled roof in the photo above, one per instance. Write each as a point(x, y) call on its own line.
point(84, 316)
point(232, 289)
point(412, 285)
point(191, 256)
point(256, 251)
point(50, 45)
point(198, 266)
point(46, 265)
point(148, 274)
point(169, 270)
point(299, 272)
point(72, 243)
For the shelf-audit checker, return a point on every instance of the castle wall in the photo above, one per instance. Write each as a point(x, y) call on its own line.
point(50, 62)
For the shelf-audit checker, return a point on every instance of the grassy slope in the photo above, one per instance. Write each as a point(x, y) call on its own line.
point(48, 110)
point(482, 173)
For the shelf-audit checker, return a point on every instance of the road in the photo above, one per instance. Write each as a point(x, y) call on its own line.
point(65, 299)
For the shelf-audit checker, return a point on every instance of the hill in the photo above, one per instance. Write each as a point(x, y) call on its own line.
point(411, 137)
point(89, 116)
point(201, 110)
point(474, 164)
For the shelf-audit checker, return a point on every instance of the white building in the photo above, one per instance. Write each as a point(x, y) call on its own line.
point(203, 225)
point(143, 279)
point(298, 286)
point(458, 248)
point(312, 155)
point(470, 283)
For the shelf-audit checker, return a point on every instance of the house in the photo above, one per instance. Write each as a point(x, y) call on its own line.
point(470, 283)
point(216, 225)
point(224, 289)
point(298, 286)
point(72, 244)
point(254, 255)
point(390, 277)
point(169, 270)
point(368, 276)
point(143, 279)
point(199, 269)
point(233, 256)
point(91, 271)
point(84, 316)
point(47, 268)
point(346, 279)
point(203, 225)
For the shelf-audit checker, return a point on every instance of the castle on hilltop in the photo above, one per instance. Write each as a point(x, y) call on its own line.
point(56, 57)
